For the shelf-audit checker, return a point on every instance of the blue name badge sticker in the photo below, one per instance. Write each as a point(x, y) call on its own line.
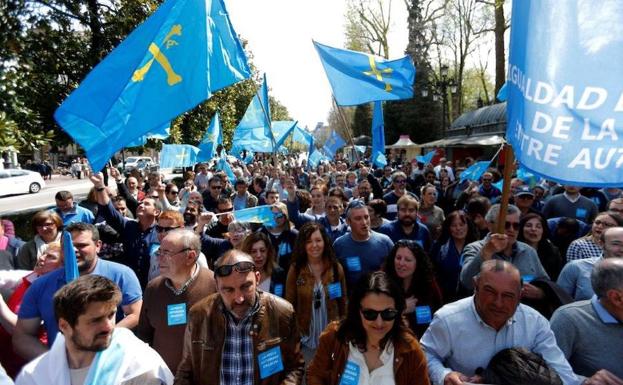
point(335, 290)
point(278, 290)
point(423, 315)
point(176, 314)
point(270, 362)
point(580, 213)
point(351, 374)
point(353, 263)
point(527, 278)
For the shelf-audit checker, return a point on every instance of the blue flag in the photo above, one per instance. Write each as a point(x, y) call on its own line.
point(282, 129)
point(249, 158)
point(426, 158)
point(224, 166)
point(529, 178)
point(565, 103)
point(256, 123)
point(257, 214)
point(176, 59)
point(178, 155)
point(210, 141)
point(360, 149)
point(302, 136)
point(378, 136)
point(358, 78)
point(334, 143)
point(160, 133)
point(475, 171)
point(69, 255)
point(314, 158)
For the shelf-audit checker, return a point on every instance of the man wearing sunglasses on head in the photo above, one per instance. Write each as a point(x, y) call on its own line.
point(505, 247)
point(240, 335)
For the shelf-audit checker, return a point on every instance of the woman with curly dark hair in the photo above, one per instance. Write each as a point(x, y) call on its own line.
point(372, 345)
point(315, 285)
point(409, 266)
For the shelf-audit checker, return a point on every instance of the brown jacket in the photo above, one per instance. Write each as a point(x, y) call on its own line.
point(300, 293)
point(273, 325)
point(328, 364)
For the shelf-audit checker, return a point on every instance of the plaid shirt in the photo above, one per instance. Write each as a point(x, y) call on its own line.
point(237, 358)
point(583, 248)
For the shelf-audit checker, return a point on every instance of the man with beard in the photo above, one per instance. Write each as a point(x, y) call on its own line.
point(407, 226)
point(399, 183)
point(90, 347)
point(240, 335)
point(218, 228)
point(37, 304)
point(191, 213)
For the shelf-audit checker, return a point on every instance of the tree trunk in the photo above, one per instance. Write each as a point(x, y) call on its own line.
point(97, 34)
point(500, 61)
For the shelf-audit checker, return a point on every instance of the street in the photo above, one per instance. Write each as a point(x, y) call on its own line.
point(45, 198)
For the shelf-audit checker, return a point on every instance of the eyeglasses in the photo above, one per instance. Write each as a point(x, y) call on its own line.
point(525, 196)
point(241, 267)
point(317, 299)
point(514, 225)
point(173, 192)
point(162, 229)
point(386, 315)
point(487, 180)
point(400, 181)
point(47, 224)
point(227, 210)
point(163, 253)
point(408, 243)
point(216, 187)
point(279, 215)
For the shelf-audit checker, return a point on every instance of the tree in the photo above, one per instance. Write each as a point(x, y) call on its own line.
point(501, 24)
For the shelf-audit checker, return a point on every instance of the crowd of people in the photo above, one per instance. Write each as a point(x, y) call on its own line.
point(393, 275)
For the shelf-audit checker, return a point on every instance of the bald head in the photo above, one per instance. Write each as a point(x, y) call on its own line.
point(613, 242)
point(232, 257)
point(499, 267)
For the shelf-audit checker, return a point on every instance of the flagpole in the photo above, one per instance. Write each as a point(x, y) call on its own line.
point(346, 128)
point(509, 163)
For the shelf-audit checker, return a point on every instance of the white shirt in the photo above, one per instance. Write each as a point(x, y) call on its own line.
point(383, 375)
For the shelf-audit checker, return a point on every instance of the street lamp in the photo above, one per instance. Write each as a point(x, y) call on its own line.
point(440, 90)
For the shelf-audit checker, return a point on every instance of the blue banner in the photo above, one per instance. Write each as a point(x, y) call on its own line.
point(211, 139)
point(224, 166)
point(257, 214)
point(378, 136)
point(256, 121)
point(334, 143)
point(475, 171)
point(565, 99)
point(69, 255)
point(426, 158)
point(358, 77)
point(176, 59)
point(178, 155)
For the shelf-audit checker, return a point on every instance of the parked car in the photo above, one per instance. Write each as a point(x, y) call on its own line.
point(17, 181)
point(144, 163)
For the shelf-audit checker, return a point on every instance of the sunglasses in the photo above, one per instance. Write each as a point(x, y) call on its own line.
point(386, 315)
point(241, 267)
point(400, 181)
point(216, 187)
point(279, 215)
point(317, 299)
point(514, 225)
point(162, 229)
point(228, 210)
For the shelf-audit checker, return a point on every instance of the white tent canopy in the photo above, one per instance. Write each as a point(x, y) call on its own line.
point(404, 143)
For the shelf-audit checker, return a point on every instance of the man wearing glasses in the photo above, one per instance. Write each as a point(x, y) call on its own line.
point(240, 335)
point(504, 247)
point(212, 193)
point(399, 183)
point(167, 299)
point(488, 190)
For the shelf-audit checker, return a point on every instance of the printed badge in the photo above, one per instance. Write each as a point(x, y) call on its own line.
point(176, 314)
point(270, 362)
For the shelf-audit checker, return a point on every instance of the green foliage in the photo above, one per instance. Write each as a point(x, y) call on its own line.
point(48, 46)
point(12, 136)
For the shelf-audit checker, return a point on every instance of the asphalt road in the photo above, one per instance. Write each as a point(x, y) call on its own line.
point(45, 198)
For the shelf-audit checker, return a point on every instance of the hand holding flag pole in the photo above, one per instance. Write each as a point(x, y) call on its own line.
point(509, 163)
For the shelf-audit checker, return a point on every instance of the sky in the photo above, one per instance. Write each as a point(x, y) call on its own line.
point(280, 33)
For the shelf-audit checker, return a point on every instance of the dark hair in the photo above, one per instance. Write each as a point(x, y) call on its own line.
point(72, 300)
point(379, 206)
point(299, 253)
point(223, 200)
point(472, 231)
point(81, 226)
point(118, 198)
point(339, 193)
point(215, 178)
point(351, 328)
point(478, 205)
point(63, 195)
point(168, 187)
point(522, 225)
point(260, 181)
point(304, 198)
point(271, 258)
point(40, 217)
point(422, 277)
